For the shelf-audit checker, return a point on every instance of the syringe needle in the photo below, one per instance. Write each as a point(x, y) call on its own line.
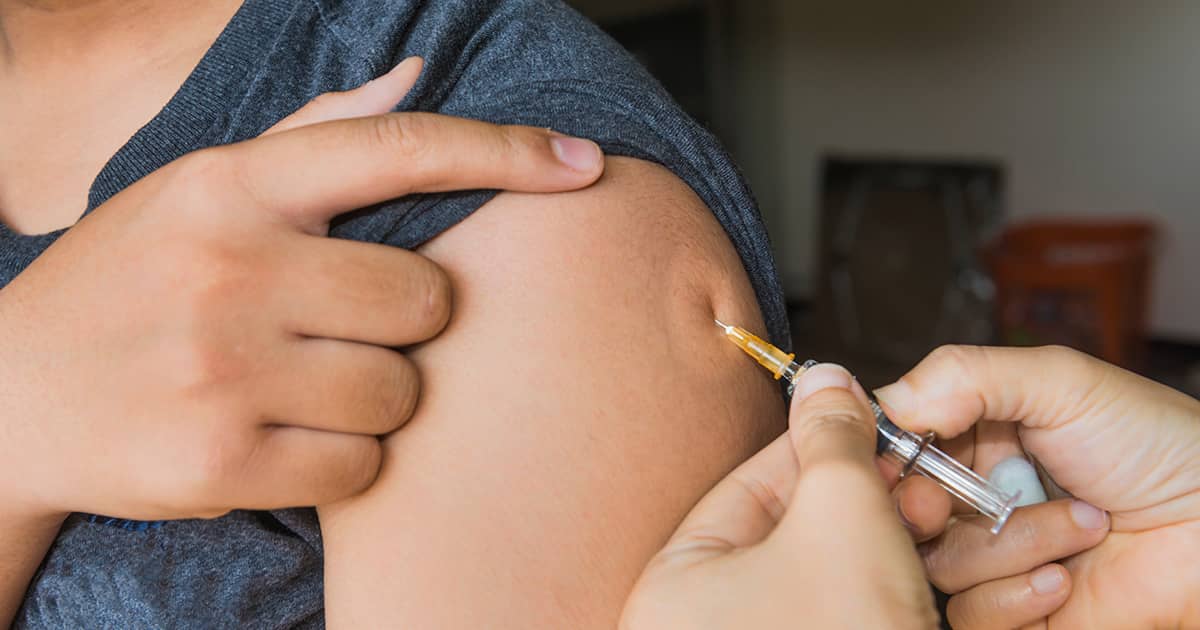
point(780, 363)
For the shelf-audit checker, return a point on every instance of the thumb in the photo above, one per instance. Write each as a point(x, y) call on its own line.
point(833, 437)
point(829, 422)
point(377, 96)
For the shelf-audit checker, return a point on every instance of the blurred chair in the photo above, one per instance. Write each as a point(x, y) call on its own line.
point(900, 270)
point(1077, 282)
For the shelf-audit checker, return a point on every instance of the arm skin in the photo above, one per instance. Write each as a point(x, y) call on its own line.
point(23, 544)
point(578, 405)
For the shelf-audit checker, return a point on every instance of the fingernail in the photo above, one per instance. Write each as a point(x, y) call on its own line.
point(577, 153)
point(1046, 580)
point(898, 397)
point(819, 377)
point(1088, 516)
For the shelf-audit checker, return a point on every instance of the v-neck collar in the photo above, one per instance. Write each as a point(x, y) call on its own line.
point(196, 116)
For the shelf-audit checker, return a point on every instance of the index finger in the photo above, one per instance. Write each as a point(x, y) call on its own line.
point(956, 386)
point(311, 174)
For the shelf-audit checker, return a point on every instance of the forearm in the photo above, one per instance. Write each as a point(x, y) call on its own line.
point(23, 544)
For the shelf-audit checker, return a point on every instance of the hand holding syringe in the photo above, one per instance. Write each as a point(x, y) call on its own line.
point(913, 452)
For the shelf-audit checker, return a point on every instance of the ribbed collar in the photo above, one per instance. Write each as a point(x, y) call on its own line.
point(198, 113)
point(196, 116)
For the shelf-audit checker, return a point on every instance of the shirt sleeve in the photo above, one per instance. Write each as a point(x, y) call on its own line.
point(539, 63)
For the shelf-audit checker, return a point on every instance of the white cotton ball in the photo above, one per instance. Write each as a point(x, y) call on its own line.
point(1017, 473)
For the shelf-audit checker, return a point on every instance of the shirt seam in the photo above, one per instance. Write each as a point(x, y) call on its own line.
point(328, 25)
point(257, 77)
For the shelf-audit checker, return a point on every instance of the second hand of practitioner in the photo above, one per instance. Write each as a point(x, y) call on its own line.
point(1118, 441)
point(969, 556)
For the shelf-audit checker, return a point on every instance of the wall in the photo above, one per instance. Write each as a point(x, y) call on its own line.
point(1094, 106)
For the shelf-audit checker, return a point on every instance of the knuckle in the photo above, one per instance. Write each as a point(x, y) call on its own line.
point(204, 368)
point(1024, 536)
point(405, 135)
point(956, 357)
point(965, 554)
point(956, 363)
point(831, 411)
point(361, 468)
point(761, 492)
point(964, 612)
point(1068, 360)
point(940, 557)
point(206, 166)
point(206, 181)
point(439, 300)
point(432, 297)
point(514, 140)
point(207, 173)
point(389, 398)
point(842, 420)
point(215, 276)
point(220, 462)
point(403, 390)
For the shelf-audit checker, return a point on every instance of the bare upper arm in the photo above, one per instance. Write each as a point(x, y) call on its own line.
point(576, 407)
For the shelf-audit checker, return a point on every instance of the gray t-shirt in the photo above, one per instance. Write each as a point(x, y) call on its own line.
point(532, 62)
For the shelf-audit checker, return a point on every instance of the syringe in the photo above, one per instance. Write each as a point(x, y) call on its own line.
point(913, 452)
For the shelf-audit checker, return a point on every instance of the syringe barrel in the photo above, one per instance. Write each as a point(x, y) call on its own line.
point(965, 484)
point(916, 454)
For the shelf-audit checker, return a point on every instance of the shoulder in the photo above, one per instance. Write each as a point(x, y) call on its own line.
point(527, 40)
point(540, 63)
point(578, 404)
point(640, 228)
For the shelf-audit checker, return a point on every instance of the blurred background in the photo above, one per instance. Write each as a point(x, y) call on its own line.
point(935, 172)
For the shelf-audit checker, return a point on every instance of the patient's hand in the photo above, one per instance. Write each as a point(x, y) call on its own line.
point(197, 344)
point(575, 408)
